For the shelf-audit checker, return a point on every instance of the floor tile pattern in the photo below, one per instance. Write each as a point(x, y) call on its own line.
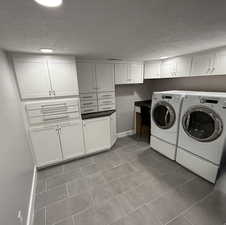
point(131, 184)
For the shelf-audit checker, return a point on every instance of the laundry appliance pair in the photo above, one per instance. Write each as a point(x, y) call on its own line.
point(189, 127)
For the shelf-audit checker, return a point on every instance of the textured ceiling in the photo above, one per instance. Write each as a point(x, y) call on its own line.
point(129, 29)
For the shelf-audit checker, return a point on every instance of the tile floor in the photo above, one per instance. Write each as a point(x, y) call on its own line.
point(128, 185)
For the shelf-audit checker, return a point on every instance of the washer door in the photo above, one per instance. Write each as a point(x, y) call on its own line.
point(163, 115)
point(202, 124)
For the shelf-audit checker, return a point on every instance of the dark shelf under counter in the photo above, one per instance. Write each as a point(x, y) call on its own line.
point(146, 103)
point(97, 114)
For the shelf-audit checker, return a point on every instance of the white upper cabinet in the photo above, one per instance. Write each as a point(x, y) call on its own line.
point(63, 76)
point(219, 66)
point(45, 76)
point(32, 76)
point(202, 64)
point(121, 73)
point(128, 73)
point(105, 77)
point(168, 68)
point(183, 66)
point(152, 69)
point(135, 73)
point(71, 136)
point(86, 77)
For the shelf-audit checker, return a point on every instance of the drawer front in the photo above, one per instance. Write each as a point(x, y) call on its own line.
point(106, 102)
point(88, 96)
point(53, 119)
point(90, 103)
point(89, 110)
point(106, 107)
point(105, 95)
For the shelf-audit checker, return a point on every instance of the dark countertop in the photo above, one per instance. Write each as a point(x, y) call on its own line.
point(97, 114)
point(146, 103)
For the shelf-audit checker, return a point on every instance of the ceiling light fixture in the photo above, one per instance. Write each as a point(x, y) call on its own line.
point(50, 3)
point(164, 57)
point(46, 50)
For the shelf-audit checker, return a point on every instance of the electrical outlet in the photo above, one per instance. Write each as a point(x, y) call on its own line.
point(20, 217)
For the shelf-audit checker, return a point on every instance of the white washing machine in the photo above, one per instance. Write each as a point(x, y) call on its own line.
point(165, 114)
point(202, 133)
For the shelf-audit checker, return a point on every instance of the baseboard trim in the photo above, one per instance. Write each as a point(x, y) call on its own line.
point(31, 207)
point(125, 133)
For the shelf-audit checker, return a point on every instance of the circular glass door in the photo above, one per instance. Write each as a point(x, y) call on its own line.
point(202, 124)
point(163, 115)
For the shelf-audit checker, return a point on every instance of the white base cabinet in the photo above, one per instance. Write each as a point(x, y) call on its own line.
point(97, 134)
point(71, 137)
point(52, 144)
point(46, 145)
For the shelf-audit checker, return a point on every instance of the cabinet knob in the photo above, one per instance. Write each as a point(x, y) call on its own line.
point(50, 93)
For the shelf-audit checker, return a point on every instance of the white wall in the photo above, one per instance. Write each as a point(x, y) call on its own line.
point(16, 165)
point(126, 95)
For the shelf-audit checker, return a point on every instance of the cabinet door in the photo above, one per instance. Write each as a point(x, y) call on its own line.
point(63, 76)
point(105, 77)
point(168, 68)
point(152, 70)
point(219, 67)
point(86, 77)
point(135, 73)
point(71, 136)
point(121, 73)
point(46, 145)
point(97, 134)
point(201, 64)
point(183, 66)
point(33, 77)
point(113, 129)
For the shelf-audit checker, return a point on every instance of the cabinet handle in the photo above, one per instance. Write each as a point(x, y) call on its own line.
point(90, 103)
point(208, 70)
point(54, 93)
point(213, 69)
point(50, 92)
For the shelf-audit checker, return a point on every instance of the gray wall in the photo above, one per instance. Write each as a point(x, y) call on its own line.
point(16, 167)
point(127, 94)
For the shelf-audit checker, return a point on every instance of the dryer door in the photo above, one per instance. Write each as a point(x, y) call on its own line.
point(163, 115)
point(202, 124)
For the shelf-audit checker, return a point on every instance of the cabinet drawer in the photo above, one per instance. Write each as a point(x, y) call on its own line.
point(106, 107)
point(88, 96)
point(90, 103)
point(89, 109)
point(106, 102)
point(105, 95)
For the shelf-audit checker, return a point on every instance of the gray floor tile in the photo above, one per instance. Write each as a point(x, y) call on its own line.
point(39, 217)
point(101, 194)
point(76, 164)
point(65, 208)
point(63, 178)
point(41, 186)
point(48, 172)
point(90, 169)
point(210, 211)
point(141, 195)
point(117, 172)
point(167, 207)
point(179, 221)
point(78, 186)
point(109, 213)
point(141, 216)
point(87, 217)
point(67, 221)
point(48, 197)
point(96, 180)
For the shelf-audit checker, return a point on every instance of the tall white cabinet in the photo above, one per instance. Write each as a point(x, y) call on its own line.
point(41, 76)
point(96, 86)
